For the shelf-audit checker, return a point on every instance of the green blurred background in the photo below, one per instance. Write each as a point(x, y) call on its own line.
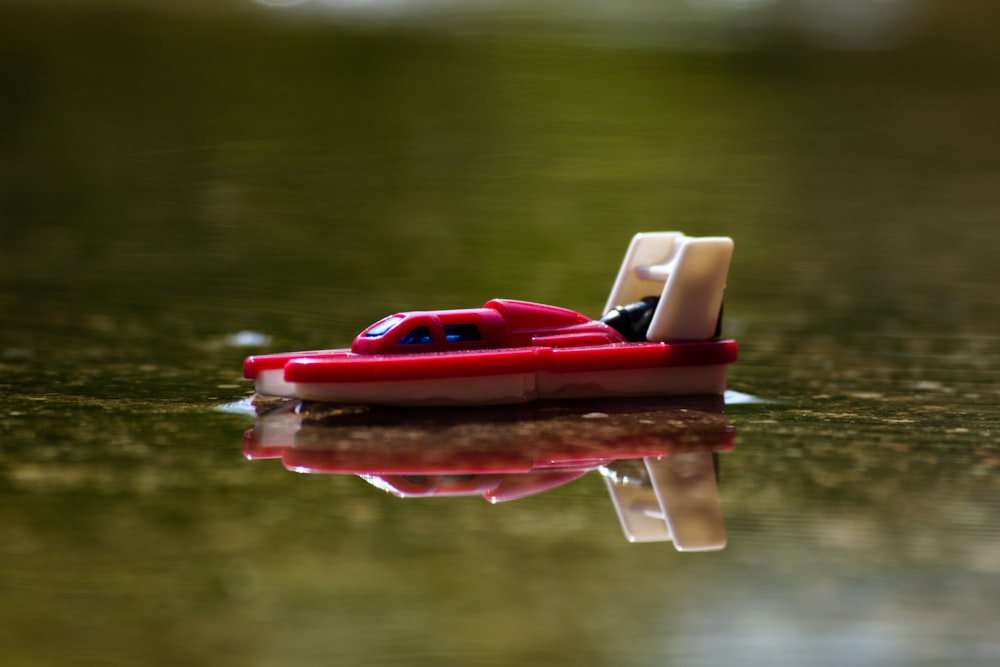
point(172, 174)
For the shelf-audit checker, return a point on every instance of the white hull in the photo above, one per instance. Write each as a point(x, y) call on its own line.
point(272, 383)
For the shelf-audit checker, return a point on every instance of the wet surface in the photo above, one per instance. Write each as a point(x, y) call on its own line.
point(182, 189)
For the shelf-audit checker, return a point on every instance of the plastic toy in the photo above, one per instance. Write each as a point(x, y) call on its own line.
point(659, 336)
point(657, 456)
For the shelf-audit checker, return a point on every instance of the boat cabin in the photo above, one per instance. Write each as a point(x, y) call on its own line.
point(500, 323)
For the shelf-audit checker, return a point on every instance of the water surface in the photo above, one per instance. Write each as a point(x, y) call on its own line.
point(169, 179)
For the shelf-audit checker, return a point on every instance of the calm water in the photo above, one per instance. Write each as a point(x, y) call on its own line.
point(169, 179)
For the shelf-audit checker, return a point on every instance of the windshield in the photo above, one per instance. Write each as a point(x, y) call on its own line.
point(379, 328)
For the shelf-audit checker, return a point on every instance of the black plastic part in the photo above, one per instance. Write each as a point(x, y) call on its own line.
point(632, 320)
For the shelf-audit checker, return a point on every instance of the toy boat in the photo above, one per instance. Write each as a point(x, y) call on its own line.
point(659, 336)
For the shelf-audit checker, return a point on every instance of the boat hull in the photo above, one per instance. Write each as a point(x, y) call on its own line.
point(509, 376)
point(521, 387)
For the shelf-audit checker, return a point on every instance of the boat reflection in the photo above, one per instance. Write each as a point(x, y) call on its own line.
point(658, 457)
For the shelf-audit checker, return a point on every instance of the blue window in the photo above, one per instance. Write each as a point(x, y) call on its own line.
point(459, 333)
point(379, 328)
point(419, 336)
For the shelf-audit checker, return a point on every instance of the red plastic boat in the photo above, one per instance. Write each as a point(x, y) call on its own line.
point(512, 351)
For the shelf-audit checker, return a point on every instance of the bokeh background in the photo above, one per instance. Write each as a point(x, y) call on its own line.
point(173, 173)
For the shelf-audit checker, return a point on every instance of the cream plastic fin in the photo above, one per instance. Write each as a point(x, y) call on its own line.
point(688, 273)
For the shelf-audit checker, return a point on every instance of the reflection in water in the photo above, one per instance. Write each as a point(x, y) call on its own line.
point(659, 457)
point(674, 497)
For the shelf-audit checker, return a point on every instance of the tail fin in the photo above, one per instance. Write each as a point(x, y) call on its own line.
point(688, 273)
